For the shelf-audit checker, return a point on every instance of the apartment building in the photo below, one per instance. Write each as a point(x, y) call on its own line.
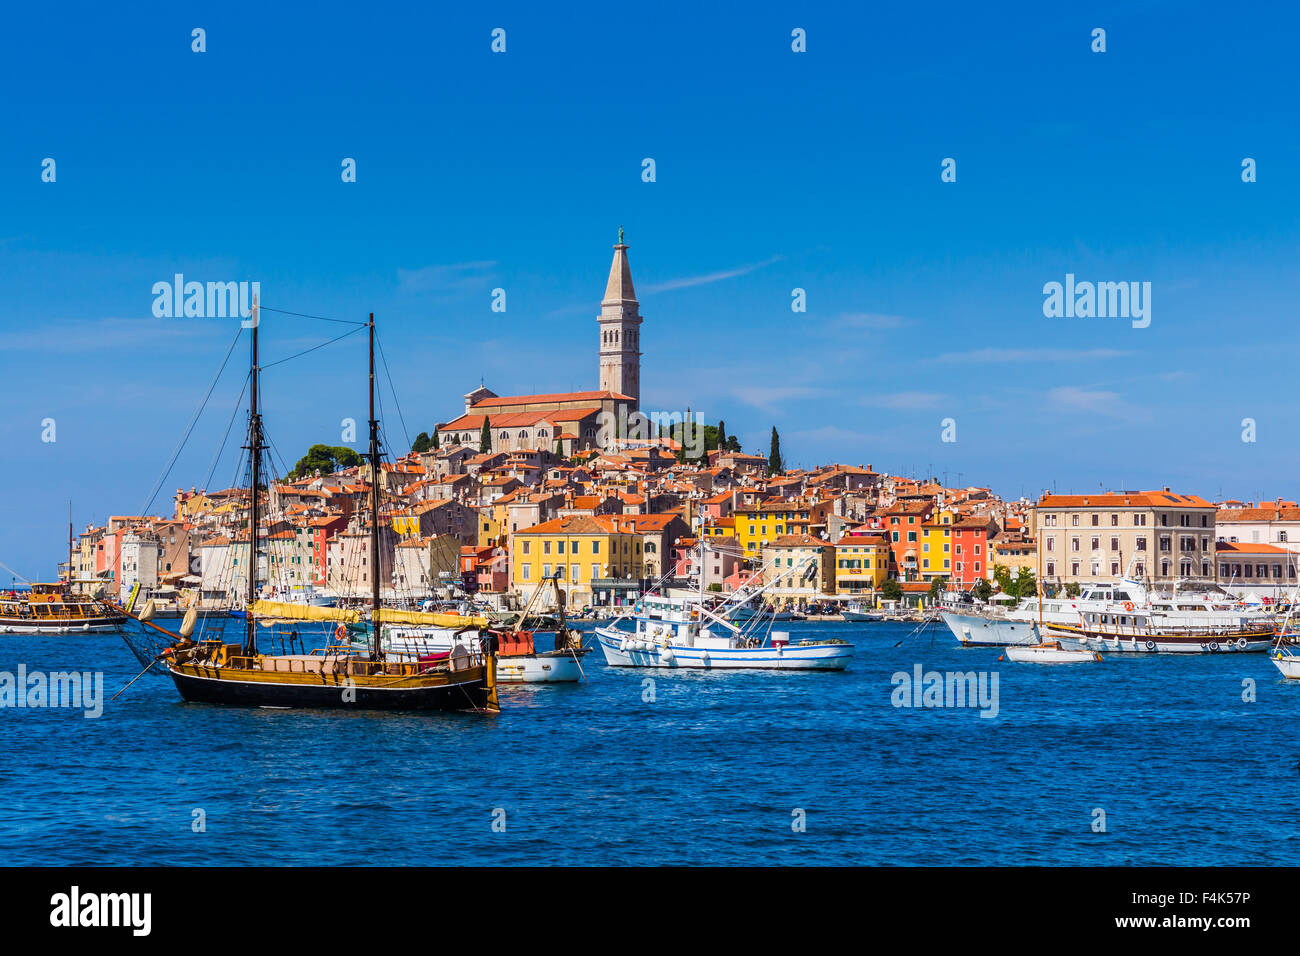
point(1158, 535)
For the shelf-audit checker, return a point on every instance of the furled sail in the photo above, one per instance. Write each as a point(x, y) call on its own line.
point(389, 615)
point(288, 611)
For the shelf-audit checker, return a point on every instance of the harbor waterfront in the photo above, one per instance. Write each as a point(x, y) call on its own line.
point(691, 767)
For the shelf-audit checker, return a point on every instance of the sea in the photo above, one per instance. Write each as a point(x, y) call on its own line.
point(1144, 760)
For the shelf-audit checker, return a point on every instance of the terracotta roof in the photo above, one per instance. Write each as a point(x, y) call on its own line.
point(1121, 499)
point(551, 398)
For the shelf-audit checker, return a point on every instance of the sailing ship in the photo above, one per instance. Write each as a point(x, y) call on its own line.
point(52, 608)
point(340, 675)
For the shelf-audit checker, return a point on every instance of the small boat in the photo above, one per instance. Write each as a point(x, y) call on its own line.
point(858, 612)
point(53, 609)
point(1048, 652)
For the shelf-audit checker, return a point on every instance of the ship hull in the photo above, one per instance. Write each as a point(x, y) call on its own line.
point(974, 630)
point(1254, 642)
point(792, 657)
point(468, 693)
point(101, 625)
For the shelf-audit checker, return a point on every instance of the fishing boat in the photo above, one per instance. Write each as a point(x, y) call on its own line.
point(859, 612)
point(685, 632)
point(339, 675)
point(51, 608)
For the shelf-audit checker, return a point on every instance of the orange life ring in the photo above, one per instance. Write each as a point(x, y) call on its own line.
point(1128, 605)
point(341, 631)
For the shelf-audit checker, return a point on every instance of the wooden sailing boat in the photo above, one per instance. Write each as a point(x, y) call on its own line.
point(337, 676)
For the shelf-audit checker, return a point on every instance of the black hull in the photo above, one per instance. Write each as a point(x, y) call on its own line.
point(470, 695)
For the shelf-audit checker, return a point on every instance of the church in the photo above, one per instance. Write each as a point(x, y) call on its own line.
point(571, 419)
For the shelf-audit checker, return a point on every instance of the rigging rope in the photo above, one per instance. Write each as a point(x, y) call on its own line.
point(189, 428)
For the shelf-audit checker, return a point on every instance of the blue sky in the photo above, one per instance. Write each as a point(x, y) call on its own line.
point(775, 170)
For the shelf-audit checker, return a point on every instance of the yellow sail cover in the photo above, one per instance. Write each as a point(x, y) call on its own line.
point(286, 610)
point(389, 615)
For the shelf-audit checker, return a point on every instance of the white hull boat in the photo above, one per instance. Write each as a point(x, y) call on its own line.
point(624, 649)
point(1051, 652)
point(987, 630)
point(1288, 664)
point(531, 667)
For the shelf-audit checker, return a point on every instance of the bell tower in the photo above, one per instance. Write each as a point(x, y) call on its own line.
point(620, 330)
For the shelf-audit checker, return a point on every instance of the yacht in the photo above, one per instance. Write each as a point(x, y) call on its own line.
point(1125, 617)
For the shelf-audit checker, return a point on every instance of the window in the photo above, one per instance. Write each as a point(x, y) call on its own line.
point(1114, 544)
point(573, 573)
point(1114, 521)
point(523, 572)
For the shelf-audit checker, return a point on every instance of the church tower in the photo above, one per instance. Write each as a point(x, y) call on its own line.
point(620, 335)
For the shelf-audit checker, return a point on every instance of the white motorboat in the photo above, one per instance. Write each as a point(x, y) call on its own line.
point(680, 632)
point(1050, 652)
point(518, 660)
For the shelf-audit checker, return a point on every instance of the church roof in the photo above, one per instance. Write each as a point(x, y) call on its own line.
point(553, 398)
point(619, 287)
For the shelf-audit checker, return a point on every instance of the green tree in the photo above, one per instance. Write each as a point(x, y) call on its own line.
point(1025, 584)
point(936, 587)
point(1072, 589)
point(982, 589)
point(720, 442)
point(422, 442)
point(435, 439)
point(485, 436)
point(774, 463)
point(325, 457)
point(891, 590)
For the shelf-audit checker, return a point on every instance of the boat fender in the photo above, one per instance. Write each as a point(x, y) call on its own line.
point(187, 625)
point(1151, 645)
point(667, 655)
point(149, 610)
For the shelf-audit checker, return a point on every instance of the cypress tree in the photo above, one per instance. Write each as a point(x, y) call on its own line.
point(485, 436)
point(774, 464)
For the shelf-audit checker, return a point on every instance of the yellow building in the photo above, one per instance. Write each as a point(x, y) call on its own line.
point(760, 524)
point(861, 563)
point(491, 525)
point(588, 554)
point(935, 559)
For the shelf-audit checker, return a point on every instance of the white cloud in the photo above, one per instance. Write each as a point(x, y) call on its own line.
point(454, 277)
point(707, 278)
point(904, 400)
point(1031, 355)
point(1092, 400)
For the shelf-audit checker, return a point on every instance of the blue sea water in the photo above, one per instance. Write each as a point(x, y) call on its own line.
point(710, 768)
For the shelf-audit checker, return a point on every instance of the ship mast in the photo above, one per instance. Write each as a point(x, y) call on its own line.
point(255, 459)
point(374, 499)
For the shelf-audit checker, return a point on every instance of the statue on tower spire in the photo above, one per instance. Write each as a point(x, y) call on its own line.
point(620, 236)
